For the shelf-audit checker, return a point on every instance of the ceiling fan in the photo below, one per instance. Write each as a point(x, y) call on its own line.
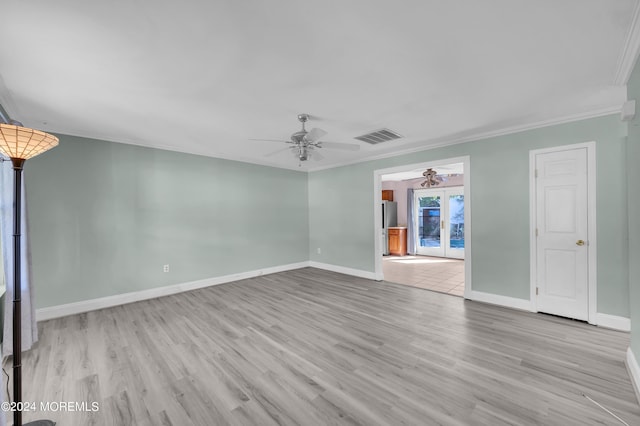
point(432, 178)
point(304, 144)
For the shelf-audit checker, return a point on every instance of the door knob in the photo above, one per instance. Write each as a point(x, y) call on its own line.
point(580, 242)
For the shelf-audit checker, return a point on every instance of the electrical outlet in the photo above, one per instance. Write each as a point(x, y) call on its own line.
point(319, 250)
point(165, 268)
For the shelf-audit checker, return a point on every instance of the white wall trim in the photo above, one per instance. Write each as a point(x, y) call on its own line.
point(468, 285)
point(629, 54)
point(533, 274)
point(613, 322)
point(591, 223)
point(634, 372)
point(424, 145)
point(427, 145)
point(51, 312)
point(496, 299)
point(343, 270)
point(7, 102)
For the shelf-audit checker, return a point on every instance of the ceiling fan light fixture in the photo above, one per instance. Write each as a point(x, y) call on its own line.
point(303, 153)
point(432, 178)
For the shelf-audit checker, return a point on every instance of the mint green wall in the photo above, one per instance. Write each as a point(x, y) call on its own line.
point(341, 208)
point(633, 179)
point(105, 217)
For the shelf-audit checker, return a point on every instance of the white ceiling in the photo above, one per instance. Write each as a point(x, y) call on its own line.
point(204, 76)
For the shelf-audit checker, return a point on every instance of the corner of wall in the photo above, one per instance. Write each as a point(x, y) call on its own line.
point(634, 372)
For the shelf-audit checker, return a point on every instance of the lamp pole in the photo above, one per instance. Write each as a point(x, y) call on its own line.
point(19, 144)
point(17, 291)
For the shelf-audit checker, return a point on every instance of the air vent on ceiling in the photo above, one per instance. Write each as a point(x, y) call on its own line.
point(379, 136)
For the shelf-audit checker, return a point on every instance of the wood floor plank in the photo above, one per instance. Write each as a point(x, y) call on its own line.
point(312, 347)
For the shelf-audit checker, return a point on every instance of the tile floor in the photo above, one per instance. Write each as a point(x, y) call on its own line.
point(431, 273)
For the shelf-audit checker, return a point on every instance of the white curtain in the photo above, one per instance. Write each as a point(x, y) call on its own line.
point(29, 326)
point(3, 418)
point(3, 414)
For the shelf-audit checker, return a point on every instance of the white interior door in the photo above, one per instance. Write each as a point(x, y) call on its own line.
point(562, 243)
point(439, 222)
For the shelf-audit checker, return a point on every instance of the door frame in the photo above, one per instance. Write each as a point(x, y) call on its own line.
point(377, 214)
point(591, 224)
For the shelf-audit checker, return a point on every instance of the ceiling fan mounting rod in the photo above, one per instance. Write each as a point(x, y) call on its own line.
point(303, 119)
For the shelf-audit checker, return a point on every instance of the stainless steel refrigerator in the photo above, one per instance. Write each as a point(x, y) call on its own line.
point(389, 218)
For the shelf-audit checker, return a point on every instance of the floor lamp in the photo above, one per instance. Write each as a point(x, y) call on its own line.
point(19, 144)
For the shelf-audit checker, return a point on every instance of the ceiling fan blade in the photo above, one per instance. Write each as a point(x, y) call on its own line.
point(271, 140)
point(338, 145)
point(277, 151)
point(314, 135)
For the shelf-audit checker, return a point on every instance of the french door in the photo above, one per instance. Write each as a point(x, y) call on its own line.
point(439, 222)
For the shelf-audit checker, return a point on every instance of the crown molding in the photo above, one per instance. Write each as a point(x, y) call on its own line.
point(424, 145)
point(631, 50)
point(439, 143)
point(6, 102)
point(164, 147)
point(4, 117)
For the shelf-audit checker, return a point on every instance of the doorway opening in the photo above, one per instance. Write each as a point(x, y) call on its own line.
point(428, 245)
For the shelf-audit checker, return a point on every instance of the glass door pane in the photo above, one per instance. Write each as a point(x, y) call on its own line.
point(429, 217)
point(430, 221)
point(455, 247)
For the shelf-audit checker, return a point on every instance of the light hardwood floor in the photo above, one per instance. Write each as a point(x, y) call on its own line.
point(311, 347)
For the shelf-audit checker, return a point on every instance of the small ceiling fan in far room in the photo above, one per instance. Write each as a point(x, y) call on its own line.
point(304, 144)
point(433, 178)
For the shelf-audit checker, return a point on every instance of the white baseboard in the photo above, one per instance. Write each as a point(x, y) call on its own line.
point(602, 320)
point(51, 312)
point(496, 299)
point(612, 321)
point(343, 270)
point(634, 372)
point(121, 299)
